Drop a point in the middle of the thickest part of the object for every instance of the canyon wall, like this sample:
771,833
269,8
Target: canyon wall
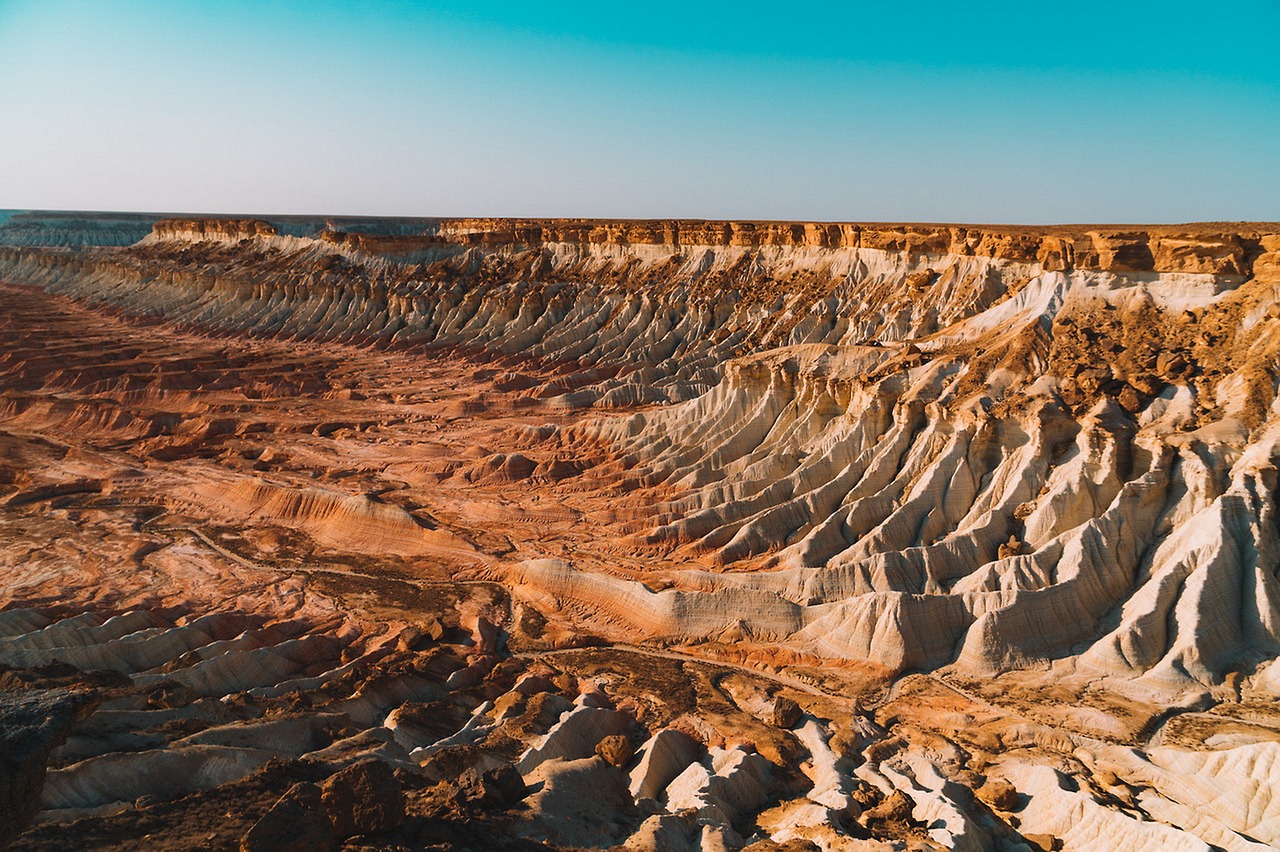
953,536
993,447
634,312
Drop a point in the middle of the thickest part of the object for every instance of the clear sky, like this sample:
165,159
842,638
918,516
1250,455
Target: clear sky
924,111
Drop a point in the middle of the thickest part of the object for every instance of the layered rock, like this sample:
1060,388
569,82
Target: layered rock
635,311
882,515
75,230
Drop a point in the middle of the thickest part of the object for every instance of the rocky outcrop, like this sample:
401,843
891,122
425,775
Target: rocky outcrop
662,758
722,788
580,802
635,312
364,798
296,822
955,536
574,737
198,230
32,725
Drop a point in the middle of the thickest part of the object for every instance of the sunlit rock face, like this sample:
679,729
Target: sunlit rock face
858,536
646,311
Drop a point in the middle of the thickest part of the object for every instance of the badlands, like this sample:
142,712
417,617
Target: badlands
326,533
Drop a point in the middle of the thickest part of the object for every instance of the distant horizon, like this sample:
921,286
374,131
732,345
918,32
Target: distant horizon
738,219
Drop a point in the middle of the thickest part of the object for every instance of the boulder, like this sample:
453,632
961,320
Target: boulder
999,794
296,823
496,787
615,749
786,713
364,798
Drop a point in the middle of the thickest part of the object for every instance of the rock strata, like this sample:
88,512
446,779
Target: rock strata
480,533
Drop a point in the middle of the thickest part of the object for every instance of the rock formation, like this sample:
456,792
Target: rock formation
751,534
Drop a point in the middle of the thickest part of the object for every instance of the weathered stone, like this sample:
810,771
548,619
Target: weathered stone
497,787
296,823
786,713
363,799
616,749
896,807
31,725
999,794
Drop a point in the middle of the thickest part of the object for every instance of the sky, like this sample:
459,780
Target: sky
1002,112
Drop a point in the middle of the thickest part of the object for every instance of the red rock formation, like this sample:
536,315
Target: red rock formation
881,514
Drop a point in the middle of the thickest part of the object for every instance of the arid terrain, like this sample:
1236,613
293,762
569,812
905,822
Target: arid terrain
663,535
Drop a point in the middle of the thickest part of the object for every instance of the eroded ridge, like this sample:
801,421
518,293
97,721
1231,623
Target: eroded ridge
878,536
638,312
918,525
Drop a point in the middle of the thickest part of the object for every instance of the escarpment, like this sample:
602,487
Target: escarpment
929,445
633,312
928,536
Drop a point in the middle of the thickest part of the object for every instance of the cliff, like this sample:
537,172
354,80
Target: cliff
923,435
76,230
674,298
945,535
1199,248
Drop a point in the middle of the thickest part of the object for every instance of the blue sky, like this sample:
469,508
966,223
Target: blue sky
980,112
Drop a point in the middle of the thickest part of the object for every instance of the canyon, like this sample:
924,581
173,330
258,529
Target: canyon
468,533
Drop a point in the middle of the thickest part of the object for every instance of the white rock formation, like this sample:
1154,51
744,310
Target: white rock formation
574,737
1226,797
164,773
723,787
1057,810
662,758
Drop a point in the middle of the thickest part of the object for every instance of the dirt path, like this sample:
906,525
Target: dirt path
784,680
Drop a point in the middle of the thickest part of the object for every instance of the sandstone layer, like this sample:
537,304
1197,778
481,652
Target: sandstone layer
751,533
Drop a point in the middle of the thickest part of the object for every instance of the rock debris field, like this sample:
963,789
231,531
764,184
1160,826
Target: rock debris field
341,533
